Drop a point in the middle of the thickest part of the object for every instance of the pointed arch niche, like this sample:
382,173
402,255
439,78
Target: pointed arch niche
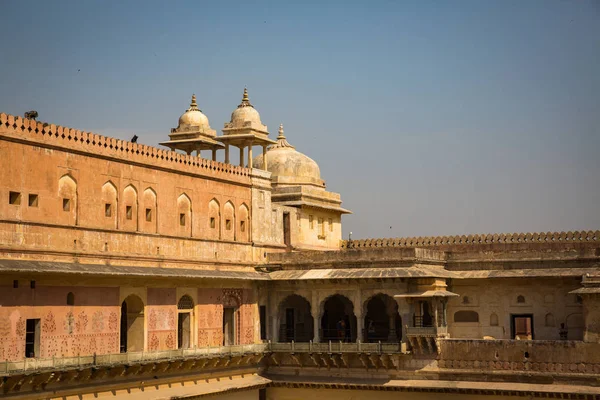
184,215
243,224
110,205
129,212
149,221
228,229
214,219
67,197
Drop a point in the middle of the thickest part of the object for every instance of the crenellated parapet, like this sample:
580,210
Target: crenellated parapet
75,140
477,239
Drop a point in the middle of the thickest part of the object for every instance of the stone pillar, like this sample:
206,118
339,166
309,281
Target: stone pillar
276,328
199,153
314,310
226,154
392,335
265,165
214,154
360,320
250,156
434,305
242,156
404,309
445,312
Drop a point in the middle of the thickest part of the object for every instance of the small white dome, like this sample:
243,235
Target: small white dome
193,117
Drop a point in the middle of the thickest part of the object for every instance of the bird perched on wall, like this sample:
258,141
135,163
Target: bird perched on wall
134,139
31,114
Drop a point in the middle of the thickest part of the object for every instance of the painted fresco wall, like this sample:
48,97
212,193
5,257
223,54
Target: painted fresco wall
210,315
162,319
90,326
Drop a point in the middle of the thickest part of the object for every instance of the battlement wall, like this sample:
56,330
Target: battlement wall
94,144
463,242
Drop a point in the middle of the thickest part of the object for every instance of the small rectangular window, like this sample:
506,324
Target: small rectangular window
32,284
321,227
212,222
108,210
15,284
33,200
66,204
148,215
129,212
228,224
14,198
242,226
330,225
311,223
182,219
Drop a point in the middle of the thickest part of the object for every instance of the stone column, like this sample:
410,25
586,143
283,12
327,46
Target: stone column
392,335
314,310
199,153
404,309
360,321
226,154
250,156
242,156
214,154
265,165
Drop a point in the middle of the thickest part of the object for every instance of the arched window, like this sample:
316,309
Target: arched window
520,299
185,303
70,299
67,193
466,316
549,320
494,319
466,300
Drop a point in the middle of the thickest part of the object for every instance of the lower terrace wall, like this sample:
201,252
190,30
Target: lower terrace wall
519,355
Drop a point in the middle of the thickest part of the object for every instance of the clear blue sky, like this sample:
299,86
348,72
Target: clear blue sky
430,118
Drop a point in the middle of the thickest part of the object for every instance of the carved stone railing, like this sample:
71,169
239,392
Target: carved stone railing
33,364
507,238
336,347
77,140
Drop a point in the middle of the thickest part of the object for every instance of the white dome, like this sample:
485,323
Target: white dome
289,166
193,118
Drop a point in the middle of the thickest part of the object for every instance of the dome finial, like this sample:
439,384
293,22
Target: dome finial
245,99
281,140
193,104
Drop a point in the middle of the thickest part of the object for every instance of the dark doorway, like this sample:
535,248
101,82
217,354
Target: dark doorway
290,323
263,322
123,347
295,319
287,238
132,324
183,329
32,338
521,326
382,321
338,321
422,316
228,326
